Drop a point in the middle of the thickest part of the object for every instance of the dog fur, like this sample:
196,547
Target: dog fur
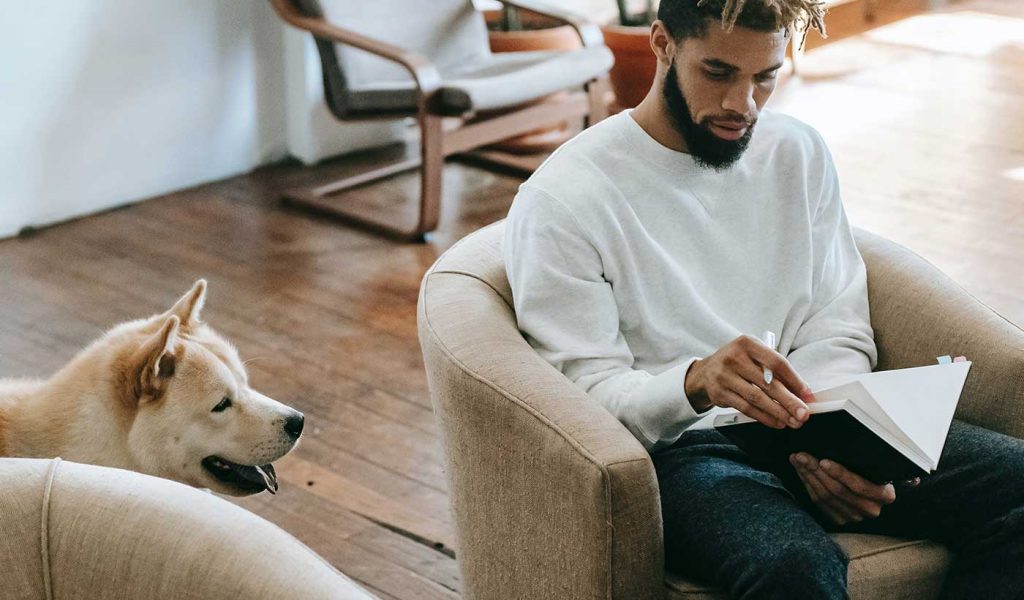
166,396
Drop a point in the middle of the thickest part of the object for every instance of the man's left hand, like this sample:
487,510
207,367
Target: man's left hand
841,495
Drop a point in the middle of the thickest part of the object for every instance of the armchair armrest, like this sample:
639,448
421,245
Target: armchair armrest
552,496
590,34
918,313
83,531
425,74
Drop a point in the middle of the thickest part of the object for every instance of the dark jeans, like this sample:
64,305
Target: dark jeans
751,529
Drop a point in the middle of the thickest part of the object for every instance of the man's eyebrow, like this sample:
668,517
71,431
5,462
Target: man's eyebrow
715,63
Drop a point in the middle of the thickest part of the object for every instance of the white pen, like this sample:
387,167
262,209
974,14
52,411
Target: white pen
769,339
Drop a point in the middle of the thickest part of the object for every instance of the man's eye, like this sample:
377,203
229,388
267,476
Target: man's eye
767,76
717,75
223,405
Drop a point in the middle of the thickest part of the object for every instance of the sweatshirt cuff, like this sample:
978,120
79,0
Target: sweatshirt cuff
665,410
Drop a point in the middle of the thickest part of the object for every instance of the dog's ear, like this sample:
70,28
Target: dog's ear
188,306
155,361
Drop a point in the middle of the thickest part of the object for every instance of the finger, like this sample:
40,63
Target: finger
734,400
795,407
860,505
781,369
756,397
837,496
880,494
817,493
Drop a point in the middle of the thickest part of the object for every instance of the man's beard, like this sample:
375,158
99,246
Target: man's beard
708,149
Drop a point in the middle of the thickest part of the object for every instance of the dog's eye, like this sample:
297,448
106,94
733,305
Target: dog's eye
223,405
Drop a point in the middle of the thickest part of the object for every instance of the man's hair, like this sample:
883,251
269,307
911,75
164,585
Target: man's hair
691,18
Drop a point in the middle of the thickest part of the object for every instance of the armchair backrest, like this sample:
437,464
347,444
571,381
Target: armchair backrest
448,32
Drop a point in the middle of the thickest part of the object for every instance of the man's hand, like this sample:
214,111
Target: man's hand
734,377
840,494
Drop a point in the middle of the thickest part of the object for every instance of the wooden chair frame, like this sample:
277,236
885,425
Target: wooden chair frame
436,142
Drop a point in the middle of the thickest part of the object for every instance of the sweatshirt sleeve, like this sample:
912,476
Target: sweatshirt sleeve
567,311
835,340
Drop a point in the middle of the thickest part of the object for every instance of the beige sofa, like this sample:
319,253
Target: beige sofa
72,531
552,496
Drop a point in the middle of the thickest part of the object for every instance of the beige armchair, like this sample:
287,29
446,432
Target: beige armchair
554,498
83,532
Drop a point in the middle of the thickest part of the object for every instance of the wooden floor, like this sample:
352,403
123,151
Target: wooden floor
925,118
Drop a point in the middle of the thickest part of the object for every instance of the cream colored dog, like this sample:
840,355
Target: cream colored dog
166,396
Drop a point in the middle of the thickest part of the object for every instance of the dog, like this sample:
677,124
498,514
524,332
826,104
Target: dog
166,396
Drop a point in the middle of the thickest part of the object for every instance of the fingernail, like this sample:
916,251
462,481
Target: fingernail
794,423
800,458
826,465
801,413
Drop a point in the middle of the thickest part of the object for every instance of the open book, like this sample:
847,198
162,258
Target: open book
884,426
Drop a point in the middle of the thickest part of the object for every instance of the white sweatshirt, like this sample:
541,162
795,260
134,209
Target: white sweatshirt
628,261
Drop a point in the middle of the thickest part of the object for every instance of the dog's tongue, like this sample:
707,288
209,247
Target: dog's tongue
260,474
269,477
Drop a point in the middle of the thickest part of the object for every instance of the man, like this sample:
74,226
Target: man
645,252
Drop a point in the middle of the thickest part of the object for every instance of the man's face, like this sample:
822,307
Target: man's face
716,86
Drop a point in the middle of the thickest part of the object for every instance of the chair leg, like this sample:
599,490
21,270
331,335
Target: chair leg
431,165
431,173
596,92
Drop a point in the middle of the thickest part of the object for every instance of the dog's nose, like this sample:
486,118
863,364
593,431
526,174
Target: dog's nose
293,425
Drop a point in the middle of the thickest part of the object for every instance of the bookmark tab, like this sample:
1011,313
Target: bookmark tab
945,360
960,359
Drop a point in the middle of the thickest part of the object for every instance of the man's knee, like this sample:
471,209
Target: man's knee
807,568
819,555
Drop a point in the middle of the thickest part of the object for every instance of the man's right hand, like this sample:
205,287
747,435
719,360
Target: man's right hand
734,377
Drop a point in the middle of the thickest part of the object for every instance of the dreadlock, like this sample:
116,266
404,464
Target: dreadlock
688,18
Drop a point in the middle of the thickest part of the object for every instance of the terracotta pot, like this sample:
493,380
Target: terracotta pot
540,34
635,63
554,37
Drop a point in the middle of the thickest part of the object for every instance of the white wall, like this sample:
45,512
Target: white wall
106,102
103,102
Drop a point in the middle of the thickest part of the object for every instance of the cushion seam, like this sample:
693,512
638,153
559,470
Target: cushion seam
44,530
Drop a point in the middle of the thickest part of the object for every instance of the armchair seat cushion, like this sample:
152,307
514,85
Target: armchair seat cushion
880,567
496,82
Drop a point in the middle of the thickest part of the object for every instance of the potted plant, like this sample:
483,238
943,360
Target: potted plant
514,30
629,41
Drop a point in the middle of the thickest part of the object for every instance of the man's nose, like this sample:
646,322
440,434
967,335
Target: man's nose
740,99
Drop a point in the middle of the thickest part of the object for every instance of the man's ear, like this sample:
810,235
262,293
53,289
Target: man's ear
155,361
663,44
188,306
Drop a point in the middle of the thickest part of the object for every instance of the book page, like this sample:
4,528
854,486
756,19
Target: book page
920,400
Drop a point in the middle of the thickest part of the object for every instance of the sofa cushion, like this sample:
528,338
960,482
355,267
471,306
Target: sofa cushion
880,567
